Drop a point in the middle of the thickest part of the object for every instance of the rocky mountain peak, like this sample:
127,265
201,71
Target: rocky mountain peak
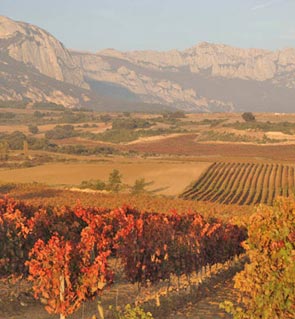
8,27
34,46
205,77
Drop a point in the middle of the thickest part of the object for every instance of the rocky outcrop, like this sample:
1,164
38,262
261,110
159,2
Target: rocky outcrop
20,81
218,59
31,45
207,77
162,76
150,89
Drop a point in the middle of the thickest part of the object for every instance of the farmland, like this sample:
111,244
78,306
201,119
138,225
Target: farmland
215,165
158,173
156,183
243,183
188,145
79,243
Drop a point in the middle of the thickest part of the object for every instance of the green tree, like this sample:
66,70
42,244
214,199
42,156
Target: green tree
130,123
4,151
38,114
126,114
174,115
248,117
139,186
33,129
61,132
48,106
115,181
106,118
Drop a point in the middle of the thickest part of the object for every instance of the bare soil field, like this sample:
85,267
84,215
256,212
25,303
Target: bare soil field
187,145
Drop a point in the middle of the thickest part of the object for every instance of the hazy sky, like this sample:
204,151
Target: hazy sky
159,24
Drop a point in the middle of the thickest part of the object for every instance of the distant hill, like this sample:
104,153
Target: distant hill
207,77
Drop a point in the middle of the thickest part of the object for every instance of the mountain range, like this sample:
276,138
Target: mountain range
35,66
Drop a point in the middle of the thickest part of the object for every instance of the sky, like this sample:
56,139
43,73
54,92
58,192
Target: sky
93,25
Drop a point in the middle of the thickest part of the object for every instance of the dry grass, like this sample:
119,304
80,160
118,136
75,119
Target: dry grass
170,178
233,117
12,128
155,138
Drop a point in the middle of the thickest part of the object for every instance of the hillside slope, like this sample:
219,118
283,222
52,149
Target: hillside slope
205,78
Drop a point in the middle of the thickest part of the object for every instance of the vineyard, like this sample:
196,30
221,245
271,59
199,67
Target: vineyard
66,252
34,194
266,285
243,183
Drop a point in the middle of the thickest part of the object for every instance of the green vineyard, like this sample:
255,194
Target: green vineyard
243,183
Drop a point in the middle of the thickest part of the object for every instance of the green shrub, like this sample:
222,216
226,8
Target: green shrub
48,106
127,135
13,104
174,115
129,123
33,129
117,135
68,116
284,127
38,114
106,118
248,117
61,132
93,184
15,140
139,186
7,115
132,313
115,181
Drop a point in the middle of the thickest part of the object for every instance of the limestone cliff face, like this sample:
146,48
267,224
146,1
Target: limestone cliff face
20,81
31,45
207,77
150,89
218,59
231,62
172,77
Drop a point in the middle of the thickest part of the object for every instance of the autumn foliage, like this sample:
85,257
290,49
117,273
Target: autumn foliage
267,284
66,251
64,275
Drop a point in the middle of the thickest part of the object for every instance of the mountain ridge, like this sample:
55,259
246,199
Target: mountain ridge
204,78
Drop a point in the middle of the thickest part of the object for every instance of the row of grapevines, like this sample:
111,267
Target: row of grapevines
204,178
260,182
65,251
243,183
236,171
266,287
222,183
